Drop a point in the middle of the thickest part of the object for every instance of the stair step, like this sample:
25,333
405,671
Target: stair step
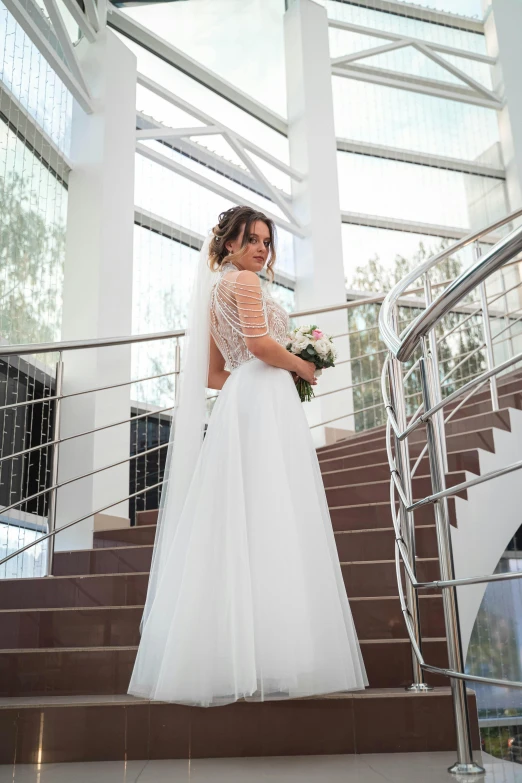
379,544
74,591
77,671
374,515
478,439
118,560
376,544
128,560
120,727
147,517
118,626
130,589
379,578
380,617
338,495
134,536
465,459
509,394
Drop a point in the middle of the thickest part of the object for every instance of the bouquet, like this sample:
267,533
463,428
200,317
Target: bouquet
312,345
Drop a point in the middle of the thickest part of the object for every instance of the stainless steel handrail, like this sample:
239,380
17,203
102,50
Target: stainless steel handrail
421,333
469,279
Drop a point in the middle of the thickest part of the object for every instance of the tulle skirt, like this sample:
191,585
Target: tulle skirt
252,604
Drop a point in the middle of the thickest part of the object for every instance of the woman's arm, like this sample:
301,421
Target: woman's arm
217,374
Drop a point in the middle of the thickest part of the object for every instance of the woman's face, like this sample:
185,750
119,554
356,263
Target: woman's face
257,247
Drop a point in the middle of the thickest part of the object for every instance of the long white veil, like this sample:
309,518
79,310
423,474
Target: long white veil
188,422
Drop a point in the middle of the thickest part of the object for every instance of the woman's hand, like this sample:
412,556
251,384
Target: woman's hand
306,370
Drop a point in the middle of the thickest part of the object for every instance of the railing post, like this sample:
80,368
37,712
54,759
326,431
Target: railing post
402,460
487,334
53,495
437,391
464,764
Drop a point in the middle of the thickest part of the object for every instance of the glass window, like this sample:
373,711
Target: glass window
428,31
219,33
422,123
407,60
470,8
32,81
423,194
33,208
204,99
175,198
363,244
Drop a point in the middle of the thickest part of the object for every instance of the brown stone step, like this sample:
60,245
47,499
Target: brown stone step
90,627
74,591
479,439
118,626
497,419
137,535
122,728
476,407
389,662
466,459
122,559
147,517
510,396
107,670
379,544
378,578
380,617
130,589
373,515
373,545
375,491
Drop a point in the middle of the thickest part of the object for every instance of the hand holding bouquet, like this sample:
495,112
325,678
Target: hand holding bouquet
312,345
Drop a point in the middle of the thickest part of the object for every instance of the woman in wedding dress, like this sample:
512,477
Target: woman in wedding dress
246,598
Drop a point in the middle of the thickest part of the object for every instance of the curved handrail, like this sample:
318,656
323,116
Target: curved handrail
421,332
402,346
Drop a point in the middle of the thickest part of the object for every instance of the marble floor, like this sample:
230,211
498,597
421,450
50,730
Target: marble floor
378,768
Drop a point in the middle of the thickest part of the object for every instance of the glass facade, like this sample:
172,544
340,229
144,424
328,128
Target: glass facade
33,199
414,122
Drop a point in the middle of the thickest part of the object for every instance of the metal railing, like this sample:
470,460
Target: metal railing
58,398
407,299
420,335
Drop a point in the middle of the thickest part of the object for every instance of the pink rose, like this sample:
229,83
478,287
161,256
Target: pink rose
317,334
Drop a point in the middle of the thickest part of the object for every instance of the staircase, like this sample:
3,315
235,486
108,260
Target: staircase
67,643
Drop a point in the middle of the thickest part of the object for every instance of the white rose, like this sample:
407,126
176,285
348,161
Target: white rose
322,347
301,342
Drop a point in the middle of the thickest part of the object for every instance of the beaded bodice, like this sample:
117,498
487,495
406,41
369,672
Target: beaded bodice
239,310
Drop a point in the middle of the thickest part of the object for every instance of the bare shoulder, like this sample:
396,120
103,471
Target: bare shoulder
248,278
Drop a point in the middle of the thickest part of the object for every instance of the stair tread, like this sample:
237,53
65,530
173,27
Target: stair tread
119,607
14,702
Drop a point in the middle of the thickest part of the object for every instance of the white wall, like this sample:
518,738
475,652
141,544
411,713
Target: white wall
487,521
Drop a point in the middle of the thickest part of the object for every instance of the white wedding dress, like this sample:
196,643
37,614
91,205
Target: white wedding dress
252,602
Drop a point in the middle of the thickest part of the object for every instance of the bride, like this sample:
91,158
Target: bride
246,598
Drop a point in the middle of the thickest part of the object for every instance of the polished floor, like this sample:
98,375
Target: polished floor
385,768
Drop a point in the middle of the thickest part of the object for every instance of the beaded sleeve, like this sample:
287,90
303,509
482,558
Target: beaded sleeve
242,305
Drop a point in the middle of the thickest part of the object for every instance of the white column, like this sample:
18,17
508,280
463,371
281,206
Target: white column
98,287
319,256
502,28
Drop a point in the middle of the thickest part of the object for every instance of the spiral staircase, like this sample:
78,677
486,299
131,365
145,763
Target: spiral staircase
68,641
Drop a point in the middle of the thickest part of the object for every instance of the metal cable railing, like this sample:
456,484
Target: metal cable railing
55,440
59,397
420,334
